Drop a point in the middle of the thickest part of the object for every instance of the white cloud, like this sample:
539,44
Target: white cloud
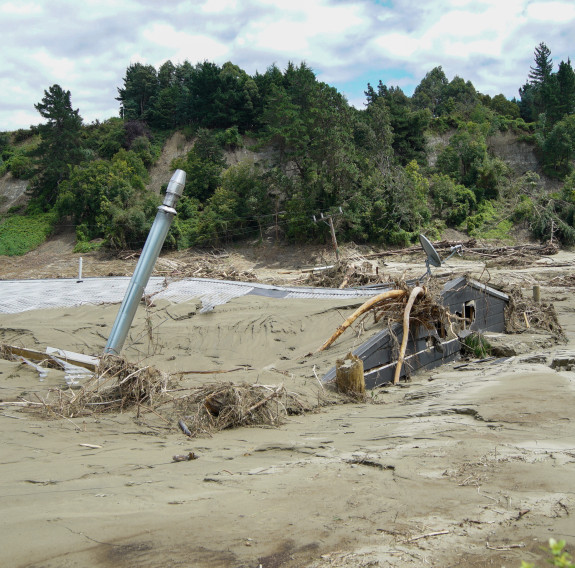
551,11
20,8
183,45
398,45
61,68
86,46
218,6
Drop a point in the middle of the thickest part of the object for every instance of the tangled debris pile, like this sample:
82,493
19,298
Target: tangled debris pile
117,385
523,314
563,281
393,306
208,265
347,274
218,406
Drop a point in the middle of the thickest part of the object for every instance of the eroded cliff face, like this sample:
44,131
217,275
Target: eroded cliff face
507,146
519,155
12,192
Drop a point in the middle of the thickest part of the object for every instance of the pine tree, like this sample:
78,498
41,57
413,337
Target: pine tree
60,147
566,89
543,65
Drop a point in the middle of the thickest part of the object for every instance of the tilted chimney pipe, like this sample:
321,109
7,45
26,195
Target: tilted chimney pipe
143,271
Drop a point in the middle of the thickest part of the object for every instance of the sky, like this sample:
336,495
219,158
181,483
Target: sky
85,46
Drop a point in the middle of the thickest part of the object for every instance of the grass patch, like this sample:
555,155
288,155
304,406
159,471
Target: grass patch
21,234
477,346
88,246
490,223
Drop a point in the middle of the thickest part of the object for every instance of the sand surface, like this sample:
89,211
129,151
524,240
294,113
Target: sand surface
463,466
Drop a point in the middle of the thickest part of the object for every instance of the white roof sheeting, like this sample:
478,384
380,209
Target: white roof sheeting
22,295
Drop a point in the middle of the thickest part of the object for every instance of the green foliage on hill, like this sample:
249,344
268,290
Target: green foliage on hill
20,234
321,155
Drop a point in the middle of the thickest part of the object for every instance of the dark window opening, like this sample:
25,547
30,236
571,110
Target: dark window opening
469,313
440,328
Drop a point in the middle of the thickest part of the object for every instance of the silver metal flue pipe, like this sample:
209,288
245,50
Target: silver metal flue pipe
143,271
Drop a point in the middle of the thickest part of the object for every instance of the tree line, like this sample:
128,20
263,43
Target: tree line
322,154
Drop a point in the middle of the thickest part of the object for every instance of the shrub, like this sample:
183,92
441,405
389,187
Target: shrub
559,557
20,166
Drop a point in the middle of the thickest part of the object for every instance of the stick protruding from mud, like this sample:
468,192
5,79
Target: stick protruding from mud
414,293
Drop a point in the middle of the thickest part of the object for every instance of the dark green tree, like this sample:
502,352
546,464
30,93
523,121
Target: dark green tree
109,199
457,96
543,88
202,91
559,146
563,102
236,98
543,67
166,75
60,147
311,126
527,102
501,105
140,87
429,93
408,126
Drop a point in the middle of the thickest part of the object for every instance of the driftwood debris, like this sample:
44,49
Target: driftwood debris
472,247
523,313
218,406
414,293
349,272
370,304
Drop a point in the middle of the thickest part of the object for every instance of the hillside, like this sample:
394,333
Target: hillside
56,259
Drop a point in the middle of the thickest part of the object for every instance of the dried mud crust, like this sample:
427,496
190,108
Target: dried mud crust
471,461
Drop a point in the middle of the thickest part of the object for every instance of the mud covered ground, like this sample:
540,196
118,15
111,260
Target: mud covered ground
468,465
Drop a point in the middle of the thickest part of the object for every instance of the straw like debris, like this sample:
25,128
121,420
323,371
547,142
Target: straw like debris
218,406
346,274
116,386
540,316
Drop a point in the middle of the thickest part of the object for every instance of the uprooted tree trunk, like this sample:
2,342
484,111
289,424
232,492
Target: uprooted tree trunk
370,304
349,375
414,293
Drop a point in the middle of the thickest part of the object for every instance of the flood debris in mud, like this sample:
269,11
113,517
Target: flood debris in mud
347,273
116,386
524,314
221,405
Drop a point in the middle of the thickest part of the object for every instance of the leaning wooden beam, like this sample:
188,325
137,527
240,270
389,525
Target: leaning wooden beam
414,293
77,359
361,310
25,352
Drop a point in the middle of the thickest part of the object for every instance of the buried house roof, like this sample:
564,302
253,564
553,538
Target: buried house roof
478,308
464,281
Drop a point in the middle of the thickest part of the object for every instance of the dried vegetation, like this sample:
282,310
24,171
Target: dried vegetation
120,386
218,406
524,314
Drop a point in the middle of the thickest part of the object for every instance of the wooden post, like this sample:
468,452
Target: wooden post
349,375
536,293
333,239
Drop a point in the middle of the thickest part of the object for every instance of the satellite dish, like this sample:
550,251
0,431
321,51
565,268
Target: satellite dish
433,258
